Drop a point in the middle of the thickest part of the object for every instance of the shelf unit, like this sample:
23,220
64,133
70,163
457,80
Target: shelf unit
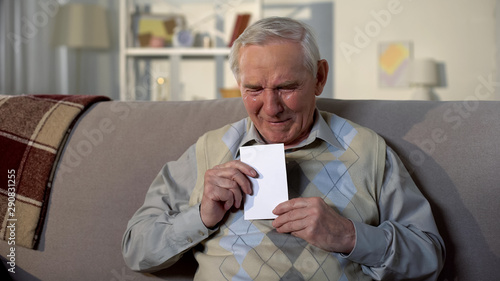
175,56
193,52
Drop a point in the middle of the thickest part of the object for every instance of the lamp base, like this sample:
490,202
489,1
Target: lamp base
424,93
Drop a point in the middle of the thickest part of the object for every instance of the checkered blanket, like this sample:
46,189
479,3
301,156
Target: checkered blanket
33,130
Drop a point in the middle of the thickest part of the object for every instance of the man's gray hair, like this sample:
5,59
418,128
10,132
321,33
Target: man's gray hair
277,29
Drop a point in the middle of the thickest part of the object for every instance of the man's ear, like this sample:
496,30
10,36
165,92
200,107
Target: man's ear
321,76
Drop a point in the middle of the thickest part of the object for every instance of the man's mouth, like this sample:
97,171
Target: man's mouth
277,122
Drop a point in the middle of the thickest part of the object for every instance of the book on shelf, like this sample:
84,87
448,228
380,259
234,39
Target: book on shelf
240,25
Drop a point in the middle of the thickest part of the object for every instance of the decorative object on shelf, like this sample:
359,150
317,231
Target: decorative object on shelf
424,76
202,40
156,31
80,26
393,63
240,25
144,39
183,38
230,92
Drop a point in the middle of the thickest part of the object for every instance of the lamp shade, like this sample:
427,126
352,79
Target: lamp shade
81,26
423,72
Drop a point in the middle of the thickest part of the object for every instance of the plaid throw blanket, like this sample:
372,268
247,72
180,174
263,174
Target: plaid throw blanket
33,129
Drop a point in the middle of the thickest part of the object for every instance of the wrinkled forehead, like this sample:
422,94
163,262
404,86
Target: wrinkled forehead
272,60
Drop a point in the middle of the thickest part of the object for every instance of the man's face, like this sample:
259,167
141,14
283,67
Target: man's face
278,91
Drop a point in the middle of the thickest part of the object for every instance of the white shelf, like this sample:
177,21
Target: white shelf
128,55
186,52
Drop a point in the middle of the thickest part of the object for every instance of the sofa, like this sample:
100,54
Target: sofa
450,148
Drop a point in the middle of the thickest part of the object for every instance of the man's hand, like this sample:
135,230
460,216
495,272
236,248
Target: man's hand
225,186
314,221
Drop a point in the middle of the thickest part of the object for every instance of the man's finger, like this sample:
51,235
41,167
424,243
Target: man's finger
289,205
243,182
237,164
291,226
237,172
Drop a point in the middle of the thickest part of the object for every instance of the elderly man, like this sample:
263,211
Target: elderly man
354,212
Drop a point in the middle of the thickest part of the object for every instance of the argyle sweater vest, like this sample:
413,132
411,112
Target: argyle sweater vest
348,179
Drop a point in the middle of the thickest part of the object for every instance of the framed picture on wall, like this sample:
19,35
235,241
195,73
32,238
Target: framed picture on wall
393,63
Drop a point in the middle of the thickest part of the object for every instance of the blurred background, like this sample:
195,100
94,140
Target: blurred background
177,50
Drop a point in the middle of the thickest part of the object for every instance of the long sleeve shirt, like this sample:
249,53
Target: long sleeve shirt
347,165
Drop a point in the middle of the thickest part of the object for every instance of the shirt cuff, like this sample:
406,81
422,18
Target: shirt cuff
371,245
188,227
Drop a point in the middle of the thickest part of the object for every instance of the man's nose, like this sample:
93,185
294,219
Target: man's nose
273,104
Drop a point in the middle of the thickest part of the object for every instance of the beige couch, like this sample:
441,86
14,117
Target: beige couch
451,149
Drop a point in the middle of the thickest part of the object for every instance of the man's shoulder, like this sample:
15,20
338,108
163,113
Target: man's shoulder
345,128
238,127
228,133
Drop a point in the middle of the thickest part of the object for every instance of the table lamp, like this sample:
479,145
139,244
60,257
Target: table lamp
423,76
81,26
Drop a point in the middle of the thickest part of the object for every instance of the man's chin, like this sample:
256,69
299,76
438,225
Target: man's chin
276,139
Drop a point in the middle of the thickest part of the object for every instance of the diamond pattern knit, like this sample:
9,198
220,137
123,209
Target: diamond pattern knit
253,250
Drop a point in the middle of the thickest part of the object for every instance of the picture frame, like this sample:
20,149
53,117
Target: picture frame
393,63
